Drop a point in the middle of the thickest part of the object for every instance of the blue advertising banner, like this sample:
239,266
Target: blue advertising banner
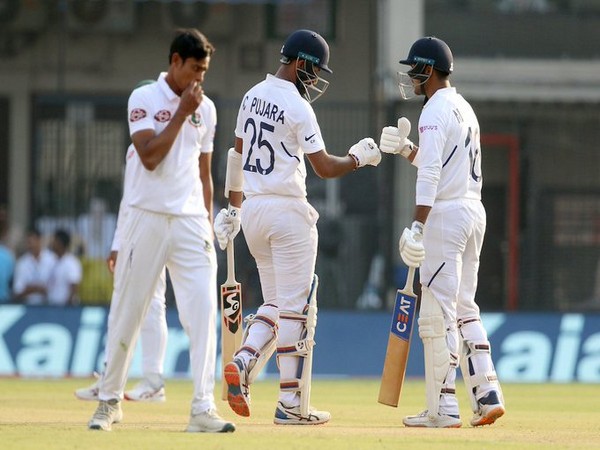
526,347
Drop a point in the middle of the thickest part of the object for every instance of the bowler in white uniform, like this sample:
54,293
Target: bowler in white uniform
172,125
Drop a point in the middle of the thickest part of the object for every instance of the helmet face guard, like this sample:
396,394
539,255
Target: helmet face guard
309,83
310,47
416,76
425,54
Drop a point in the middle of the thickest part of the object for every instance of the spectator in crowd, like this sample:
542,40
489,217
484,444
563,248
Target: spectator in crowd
33,270
95,229
7,266
65,277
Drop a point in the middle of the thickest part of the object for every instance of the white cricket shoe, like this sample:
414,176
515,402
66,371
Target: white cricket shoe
424,420
89,393
147,391
286,415
107,413
238,391
490,409
209,422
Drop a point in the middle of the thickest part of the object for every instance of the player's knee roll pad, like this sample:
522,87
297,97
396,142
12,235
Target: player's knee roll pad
302,348
267,316
432,331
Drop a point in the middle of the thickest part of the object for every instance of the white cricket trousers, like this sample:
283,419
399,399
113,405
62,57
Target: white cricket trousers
282,236
154,330
184,244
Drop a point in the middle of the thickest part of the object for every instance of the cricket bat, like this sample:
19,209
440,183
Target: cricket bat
396,355
231,315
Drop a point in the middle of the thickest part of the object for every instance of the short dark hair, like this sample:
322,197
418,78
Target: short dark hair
63,236
33,231
190,43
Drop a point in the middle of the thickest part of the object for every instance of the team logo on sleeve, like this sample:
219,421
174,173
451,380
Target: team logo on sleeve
196,119
137,114
162,116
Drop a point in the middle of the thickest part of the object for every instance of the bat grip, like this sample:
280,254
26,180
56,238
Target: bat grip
410,280
230,262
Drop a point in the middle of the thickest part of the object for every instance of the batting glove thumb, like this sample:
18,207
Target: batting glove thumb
411,246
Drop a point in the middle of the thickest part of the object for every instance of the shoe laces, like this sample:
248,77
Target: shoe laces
104,410
212,413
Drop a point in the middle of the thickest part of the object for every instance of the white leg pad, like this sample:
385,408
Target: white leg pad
261,347
476,363
432,331
302,349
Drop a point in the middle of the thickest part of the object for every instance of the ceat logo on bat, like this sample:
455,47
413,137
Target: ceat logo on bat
404,313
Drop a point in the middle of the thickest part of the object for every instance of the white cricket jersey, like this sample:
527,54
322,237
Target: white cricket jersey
133,169
66,272
449,156
174,187
33,271
278,126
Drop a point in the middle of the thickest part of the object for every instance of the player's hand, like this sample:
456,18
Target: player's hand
365,152
411,245
394,139
111,261
191,98
227,225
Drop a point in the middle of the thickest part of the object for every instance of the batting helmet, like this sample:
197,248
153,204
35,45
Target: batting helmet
309,45
429,51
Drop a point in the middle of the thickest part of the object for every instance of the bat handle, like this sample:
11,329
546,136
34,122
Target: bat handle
230,262
410,280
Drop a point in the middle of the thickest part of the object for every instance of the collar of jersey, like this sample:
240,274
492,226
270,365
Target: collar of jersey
281,82
441,93
162,82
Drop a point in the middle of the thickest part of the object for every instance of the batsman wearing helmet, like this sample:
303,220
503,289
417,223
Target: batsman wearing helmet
445,239
276,128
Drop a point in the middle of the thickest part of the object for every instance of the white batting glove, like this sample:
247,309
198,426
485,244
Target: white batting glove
411,245
227,225
365,152
395,139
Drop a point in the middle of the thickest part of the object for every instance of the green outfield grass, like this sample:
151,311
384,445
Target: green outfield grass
44,414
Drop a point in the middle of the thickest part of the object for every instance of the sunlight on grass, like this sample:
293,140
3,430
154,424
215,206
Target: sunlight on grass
45,414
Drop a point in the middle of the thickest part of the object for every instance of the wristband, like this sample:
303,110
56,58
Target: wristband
356,161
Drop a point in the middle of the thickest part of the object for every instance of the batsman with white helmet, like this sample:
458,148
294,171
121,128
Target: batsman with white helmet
276,128
445,239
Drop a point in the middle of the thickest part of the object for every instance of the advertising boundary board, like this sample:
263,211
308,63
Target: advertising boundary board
526,347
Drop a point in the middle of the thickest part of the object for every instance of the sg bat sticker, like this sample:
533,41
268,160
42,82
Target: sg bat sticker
232,300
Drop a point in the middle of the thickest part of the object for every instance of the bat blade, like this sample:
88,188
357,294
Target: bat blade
398,347
231,315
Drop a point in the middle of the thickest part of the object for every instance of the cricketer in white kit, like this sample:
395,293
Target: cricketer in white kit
154,327
172,125
446,239
276,128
